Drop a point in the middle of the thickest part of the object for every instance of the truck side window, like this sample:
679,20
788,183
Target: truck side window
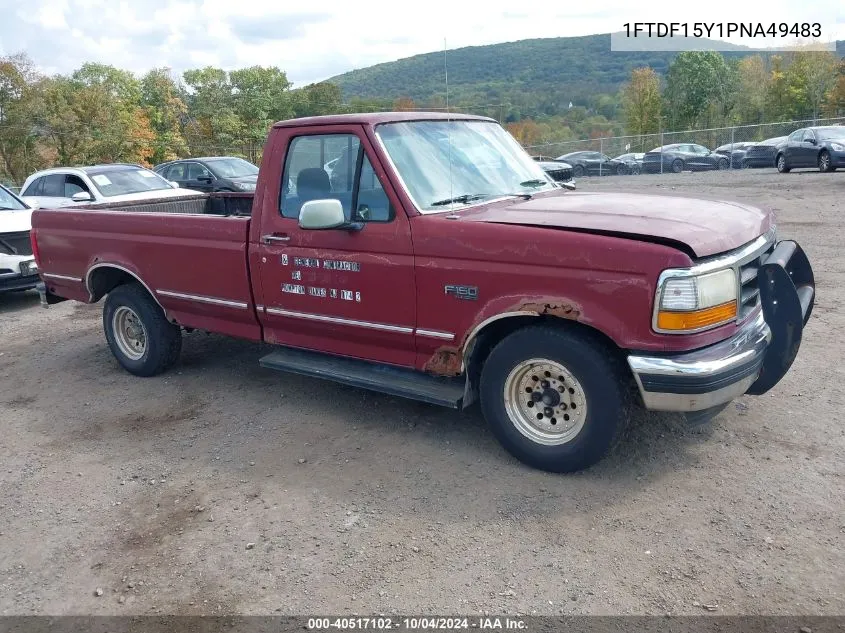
323,166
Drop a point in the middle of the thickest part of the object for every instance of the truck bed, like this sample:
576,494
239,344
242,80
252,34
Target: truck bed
189,254
221,203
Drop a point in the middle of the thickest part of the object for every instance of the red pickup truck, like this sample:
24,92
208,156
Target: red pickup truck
428,256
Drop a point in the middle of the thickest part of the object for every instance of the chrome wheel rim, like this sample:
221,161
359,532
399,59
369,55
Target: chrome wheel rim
824,160
781,163
129,333
545,402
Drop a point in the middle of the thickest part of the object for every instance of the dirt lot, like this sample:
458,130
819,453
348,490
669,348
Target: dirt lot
225,488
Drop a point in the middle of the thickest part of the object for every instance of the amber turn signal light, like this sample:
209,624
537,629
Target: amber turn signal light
695,319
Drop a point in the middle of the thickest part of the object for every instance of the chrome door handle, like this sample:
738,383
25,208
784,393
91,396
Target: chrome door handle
267,239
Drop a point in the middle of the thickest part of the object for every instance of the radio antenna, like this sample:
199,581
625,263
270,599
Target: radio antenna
448,126
446,74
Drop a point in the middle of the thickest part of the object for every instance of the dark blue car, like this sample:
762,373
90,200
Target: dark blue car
819,147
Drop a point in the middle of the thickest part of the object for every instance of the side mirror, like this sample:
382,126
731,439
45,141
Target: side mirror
81,196
32,203
173,184
567,185
205,178
324,214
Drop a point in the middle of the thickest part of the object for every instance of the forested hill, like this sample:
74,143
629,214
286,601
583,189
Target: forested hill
546,70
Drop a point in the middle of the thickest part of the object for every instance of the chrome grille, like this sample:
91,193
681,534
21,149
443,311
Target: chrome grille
749,291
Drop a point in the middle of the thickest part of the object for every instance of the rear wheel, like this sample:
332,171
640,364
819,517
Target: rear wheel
677,166
780,161
577,171
553,398
621,170
141,338
635,170
722,164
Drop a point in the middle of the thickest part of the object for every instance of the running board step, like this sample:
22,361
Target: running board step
395,381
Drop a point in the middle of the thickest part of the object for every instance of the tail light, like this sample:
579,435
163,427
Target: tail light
34,241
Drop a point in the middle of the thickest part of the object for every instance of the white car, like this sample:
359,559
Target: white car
18,270
72,186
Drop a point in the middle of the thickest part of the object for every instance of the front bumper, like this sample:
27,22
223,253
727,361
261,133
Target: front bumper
753,361
17,282
837,158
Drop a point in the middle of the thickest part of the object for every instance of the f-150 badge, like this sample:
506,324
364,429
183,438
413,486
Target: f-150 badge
469,293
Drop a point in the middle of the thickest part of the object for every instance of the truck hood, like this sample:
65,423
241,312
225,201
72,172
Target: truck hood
706,227
15,221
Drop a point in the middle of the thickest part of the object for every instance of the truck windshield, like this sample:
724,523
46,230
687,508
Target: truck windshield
452,164
8,202
231,167
120,182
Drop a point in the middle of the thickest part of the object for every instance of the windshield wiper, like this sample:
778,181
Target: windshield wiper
465,199
534,183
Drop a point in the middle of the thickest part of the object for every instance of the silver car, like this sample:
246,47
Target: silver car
72,186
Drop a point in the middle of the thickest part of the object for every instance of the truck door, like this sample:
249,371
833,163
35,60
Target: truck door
344,291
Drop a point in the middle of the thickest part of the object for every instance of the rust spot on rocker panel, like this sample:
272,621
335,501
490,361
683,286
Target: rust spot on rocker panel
446,361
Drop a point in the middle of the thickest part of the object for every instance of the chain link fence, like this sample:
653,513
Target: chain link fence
738,146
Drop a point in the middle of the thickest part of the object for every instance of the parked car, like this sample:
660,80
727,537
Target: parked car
71,186
679,157
18,270
557,169
819,147
592,164
214,173
734,152
633,162
440,281
763,154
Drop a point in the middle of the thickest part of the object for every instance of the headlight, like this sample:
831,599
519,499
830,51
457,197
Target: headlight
692,303
837,146
28,267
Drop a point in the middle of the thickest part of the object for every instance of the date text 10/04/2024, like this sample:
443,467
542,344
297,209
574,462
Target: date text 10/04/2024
723,29
417,624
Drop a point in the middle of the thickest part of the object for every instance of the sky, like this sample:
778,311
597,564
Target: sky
313,41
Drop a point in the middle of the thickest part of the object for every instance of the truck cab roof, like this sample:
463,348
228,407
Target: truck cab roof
375,118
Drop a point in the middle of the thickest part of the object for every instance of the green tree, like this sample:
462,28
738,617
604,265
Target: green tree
641,102
700,90
20,99
809,77
754,79
214,126
260,98
317,99
161,98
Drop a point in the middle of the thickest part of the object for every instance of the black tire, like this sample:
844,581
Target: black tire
722,164
780,163
590,363
635,170
621,170
677,166
745,165
577,171
825,165
162,339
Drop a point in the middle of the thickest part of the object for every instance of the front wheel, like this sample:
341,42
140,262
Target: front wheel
577,171
677,166
141,338
553,399
824,162
722,164
621,170
780,161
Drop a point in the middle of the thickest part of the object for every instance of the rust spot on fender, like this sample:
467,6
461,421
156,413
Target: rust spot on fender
446,361
556,307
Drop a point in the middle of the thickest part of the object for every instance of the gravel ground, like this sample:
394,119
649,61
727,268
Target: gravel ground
225,488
